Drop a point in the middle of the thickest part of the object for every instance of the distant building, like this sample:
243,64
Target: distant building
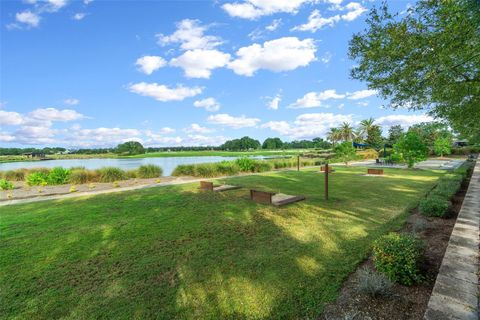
35,155
460,143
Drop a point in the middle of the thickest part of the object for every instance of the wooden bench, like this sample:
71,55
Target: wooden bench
276,199
375,171
330,169
209,186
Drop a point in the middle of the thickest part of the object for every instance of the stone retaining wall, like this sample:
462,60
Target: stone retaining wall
456,291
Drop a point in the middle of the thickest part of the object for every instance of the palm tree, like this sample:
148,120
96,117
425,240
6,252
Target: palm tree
334,135
346,131
367,125
358,135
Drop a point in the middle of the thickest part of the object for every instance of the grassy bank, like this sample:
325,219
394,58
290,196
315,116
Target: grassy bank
219,153
177,253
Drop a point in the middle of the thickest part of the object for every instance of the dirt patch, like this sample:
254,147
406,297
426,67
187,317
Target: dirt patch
404,302
23,191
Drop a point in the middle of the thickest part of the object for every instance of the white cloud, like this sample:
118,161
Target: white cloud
199,63
164,93
54,5
277,55
404,120
167,130
29,18
259,32
149,64
252,9
79,16
316,21
361,94
196,128
71,101
190,35
363,103
315,99
233,122
52,114
274,25
10,118
327,56
308,126
201,140
274,102
210,104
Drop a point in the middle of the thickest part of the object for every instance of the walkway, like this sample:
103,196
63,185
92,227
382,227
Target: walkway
456,291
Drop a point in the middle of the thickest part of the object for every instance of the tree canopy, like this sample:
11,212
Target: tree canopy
410,148
245,143
130,148
427,59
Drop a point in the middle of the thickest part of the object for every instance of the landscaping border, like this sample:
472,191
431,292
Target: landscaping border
456,292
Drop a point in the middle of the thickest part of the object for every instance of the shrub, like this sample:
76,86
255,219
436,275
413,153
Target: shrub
261,166
78,176
434,207
373,283
184,170
245,164
58,176
397,256
149,171
41,170
227,168
206,170
368,154
418,226
37,179
446,189
14,175
111,174
6,185
131,174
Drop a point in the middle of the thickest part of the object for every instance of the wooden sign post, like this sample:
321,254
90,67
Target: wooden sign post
326,181
298,163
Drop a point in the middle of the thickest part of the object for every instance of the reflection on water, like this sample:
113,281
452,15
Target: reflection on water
167,164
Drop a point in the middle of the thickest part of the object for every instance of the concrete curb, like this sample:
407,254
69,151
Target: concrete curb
456,292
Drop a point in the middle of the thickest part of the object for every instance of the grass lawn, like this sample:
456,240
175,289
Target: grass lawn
177,253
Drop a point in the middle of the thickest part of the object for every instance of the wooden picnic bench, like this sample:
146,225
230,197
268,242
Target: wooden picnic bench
209,186
276,199
375,171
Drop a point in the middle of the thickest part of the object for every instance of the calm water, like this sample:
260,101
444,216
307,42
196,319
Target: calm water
167,164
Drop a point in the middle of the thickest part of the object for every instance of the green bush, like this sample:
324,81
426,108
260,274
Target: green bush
373,283
245,164
434,207
6,185
262,166
446,189
149,171
398,257
78,176
58,175
111,174
206,170
131,174
184,170
227,168
37,179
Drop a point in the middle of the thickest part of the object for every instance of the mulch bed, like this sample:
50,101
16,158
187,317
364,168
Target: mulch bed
405,302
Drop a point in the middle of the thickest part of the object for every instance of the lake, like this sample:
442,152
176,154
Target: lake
167,164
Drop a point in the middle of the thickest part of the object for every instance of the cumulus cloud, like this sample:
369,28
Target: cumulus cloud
253,9
199,63
164,93
308,126
233,122
71,101
274,102
196,128
10,118
315,99
277,55
167,130
210,104
190,35
28,18
404,120
52,114
361,94
149,64
316,21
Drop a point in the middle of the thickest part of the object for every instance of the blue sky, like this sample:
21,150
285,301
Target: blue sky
96,73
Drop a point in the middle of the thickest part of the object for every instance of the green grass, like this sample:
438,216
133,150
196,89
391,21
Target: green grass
178,253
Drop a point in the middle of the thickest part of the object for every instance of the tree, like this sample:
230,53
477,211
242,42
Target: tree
374,138
410,148
394,133
427,59
431,131
130,148
346,132
272,143
334,136
245,143
442,146
345,152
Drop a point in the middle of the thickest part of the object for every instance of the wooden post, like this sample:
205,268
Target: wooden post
298,163
326,181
